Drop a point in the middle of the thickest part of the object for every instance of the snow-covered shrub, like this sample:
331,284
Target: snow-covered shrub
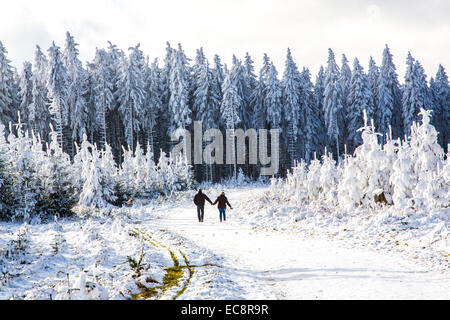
181,176
313,185
59,192
328,178
410,174
81,289
5,177
427,156
296,181
373,168
17,248
26,189
349,189
241,178
97,175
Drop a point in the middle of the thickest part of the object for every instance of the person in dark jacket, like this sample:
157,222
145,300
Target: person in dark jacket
222,203
199,201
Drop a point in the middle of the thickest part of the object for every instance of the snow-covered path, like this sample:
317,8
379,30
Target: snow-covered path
280,265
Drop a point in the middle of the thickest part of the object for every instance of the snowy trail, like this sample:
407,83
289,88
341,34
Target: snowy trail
277,265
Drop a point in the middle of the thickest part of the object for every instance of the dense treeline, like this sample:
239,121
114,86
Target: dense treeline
122,99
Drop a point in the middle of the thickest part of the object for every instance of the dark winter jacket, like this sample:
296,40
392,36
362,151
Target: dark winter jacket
200,198
222,202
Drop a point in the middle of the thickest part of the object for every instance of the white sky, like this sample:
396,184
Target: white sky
309,27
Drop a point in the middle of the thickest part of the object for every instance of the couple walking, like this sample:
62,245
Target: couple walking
221,201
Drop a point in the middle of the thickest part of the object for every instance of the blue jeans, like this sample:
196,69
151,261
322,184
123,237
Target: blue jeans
222,213
200,213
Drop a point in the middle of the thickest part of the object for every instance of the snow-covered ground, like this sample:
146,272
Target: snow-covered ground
265,250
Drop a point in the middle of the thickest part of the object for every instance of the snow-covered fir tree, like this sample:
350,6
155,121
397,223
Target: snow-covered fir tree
345,77
58,187
98,188
257,102
179,90
38,112
440,95
6,179
153,103
273,100
373,75
206,97
57,85
26,185
102,92
240,74
292,107
131,93
333,102
25,92
389,98
319,89
427,156
76,89
314,125
8,89
229,109
359,99
415,93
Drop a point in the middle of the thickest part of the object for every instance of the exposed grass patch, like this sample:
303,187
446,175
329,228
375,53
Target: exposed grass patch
173,274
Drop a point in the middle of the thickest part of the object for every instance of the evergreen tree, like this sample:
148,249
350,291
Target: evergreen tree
26,91
359,100
408,113
230,111
102,92
218,72
26,185
76,90
8,90
333,103
57,85
415,94
179,91
257,100
98,183
248,80
154,103
273,99
440,90
292,105
374,82
114,121
345,77
314,125
319,89
249,74
389,98
206,97
38,113
59,192
131,93
6,179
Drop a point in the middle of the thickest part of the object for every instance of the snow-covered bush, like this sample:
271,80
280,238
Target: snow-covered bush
59,193
97,175
26,185
329,175
372,170
81,289
410,174
427,156
5,177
